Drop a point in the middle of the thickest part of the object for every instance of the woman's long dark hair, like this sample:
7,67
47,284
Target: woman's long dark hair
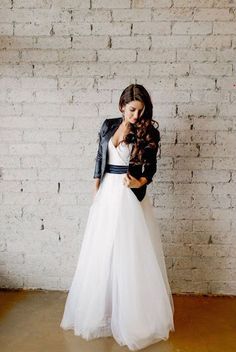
144,133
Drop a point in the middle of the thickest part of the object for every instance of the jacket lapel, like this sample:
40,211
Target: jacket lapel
111,130
114,126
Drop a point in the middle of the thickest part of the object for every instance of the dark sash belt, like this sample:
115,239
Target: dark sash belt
116,169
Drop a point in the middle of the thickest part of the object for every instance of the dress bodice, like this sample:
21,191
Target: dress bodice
119,155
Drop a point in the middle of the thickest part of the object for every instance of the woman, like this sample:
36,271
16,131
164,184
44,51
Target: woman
120,287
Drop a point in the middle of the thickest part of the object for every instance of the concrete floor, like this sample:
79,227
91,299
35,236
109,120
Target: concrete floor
29,321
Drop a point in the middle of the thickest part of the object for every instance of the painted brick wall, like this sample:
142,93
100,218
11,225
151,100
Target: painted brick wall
63,67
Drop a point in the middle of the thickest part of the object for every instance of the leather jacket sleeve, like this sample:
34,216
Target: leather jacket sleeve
151,168
98,160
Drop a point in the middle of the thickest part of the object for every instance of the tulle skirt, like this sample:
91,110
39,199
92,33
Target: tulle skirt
120,287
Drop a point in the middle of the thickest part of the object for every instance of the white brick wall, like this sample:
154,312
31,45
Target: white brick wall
63,67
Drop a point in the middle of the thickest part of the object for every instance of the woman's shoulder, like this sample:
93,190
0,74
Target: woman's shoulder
109,122
112,120
155,128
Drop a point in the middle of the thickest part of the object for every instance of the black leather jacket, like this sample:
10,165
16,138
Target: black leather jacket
107,130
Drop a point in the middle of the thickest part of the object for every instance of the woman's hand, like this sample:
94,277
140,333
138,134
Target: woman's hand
94,192
96,186
132,182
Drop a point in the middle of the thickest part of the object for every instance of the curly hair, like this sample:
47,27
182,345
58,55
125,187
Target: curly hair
144,133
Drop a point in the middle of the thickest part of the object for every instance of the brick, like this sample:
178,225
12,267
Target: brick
193,163
42,83
5,4
41,109
20,174
212,14
41,136
16,70
32,4
151,3
130,69
39,55
74,55
167,96
74,4
61,29
156,55
26,29
19,96
192,28
173,14
11,56
9,162
10,135
193,3
70,83
53,96
111,4
113,28
131,15
169,69
224,3
226,55
211,41
196,55
131,42
211,176
224,27
212,124
152,28
116,55
211,97
195,83
53,43
6,29
212,68
8,109
43,70
227,110
224,163
193,188
90,69
93,42
91,15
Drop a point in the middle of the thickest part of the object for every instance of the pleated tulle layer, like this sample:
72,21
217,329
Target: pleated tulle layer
120,287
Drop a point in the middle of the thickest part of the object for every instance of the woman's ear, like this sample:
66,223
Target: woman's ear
122,108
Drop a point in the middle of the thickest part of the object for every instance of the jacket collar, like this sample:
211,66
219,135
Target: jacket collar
114,124
117,121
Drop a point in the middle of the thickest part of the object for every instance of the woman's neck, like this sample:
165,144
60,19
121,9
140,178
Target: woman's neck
125,124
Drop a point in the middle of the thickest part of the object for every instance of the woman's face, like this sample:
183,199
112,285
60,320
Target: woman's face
133,110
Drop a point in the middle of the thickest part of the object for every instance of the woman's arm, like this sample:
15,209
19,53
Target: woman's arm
151,155
150,169
98,160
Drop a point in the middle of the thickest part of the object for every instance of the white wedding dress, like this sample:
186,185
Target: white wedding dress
120,287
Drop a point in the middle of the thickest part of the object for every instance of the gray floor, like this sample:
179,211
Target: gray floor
30,322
